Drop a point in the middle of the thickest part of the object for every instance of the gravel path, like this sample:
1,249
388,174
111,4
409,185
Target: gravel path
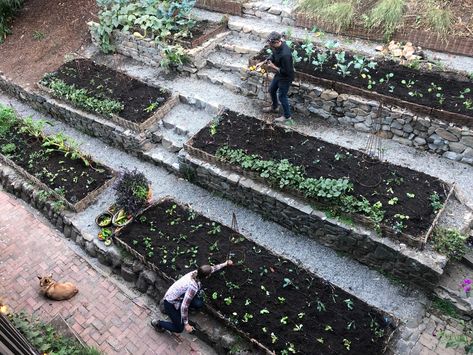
361,281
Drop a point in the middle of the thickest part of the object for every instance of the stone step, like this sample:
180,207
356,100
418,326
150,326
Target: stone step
229,80
276,11
171,141
242,43
162,157
186,120
228,61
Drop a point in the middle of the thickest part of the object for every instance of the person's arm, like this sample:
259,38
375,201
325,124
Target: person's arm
189,295
221,266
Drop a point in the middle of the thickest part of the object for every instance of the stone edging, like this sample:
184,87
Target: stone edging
210,330
420,268
399,124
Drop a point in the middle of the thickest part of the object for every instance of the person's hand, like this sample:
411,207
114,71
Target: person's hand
188,328
229,263
271,65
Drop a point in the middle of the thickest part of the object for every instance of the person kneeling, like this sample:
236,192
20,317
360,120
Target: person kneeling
184,294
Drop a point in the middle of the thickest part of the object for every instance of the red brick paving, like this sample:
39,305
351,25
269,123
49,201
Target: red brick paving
100,313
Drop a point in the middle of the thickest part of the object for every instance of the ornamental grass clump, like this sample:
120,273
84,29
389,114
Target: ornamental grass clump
133,191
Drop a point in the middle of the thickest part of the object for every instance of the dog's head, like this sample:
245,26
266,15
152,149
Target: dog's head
45,281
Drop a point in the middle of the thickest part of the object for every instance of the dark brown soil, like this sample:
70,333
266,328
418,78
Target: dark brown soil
44,32
373,179
101,81
180,239
451,84
55,170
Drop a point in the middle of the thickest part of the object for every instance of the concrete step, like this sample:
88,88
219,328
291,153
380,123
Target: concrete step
242,43
171,141
162,157
228,61
228,80
186,120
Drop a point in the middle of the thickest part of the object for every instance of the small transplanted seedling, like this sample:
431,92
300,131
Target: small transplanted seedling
435,201
347,344
349,303
386,78
410,195
399,224
468,104
464,92
264,311
328,328
393,201
408,83
371,81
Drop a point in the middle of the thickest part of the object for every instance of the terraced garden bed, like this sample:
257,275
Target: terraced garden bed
402,203
278,305
115,96
53,162
447,96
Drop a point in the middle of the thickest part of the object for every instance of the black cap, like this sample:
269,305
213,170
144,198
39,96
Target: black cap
273,37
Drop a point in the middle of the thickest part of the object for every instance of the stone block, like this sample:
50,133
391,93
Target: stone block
329,95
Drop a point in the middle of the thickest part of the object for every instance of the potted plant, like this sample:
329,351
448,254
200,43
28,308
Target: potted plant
133,192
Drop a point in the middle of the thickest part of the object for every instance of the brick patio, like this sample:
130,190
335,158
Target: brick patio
101,313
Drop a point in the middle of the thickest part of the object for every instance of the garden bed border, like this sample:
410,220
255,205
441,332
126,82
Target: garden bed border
138,127
209,308
78,206
427,39
413,241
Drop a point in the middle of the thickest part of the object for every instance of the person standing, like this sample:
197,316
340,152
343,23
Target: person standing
184,294
281,62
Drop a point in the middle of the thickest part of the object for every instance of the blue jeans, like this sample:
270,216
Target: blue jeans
176,325
283,87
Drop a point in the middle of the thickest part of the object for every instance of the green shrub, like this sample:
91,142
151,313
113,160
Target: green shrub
386,14
7,10
438,18
449,242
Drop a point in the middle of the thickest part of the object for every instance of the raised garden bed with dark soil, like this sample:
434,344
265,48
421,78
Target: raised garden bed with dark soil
403,203
267,298
141,105
447,96
74,178
201,32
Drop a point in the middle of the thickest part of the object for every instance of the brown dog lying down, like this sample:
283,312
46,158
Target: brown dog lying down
56,290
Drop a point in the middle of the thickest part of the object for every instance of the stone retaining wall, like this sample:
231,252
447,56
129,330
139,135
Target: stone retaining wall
269,12
150,53
420,268
92,125
422,132
210,330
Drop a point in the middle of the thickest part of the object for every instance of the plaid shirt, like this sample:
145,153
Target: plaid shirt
184,290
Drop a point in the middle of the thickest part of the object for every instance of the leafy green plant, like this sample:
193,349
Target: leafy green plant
435,201
7,10
132,191
38,36
449,242
8,148
82,99
46,339
438,18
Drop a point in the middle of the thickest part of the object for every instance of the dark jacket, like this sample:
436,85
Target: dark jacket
282,58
